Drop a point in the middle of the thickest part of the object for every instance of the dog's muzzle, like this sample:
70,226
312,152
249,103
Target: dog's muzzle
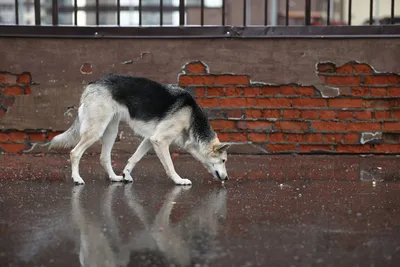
219,176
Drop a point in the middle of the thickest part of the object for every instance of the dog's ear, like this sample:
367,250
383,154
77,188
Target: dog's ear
222,147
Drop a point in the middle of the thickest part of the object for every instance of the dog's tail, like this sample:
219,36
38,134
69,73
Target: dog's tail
67,139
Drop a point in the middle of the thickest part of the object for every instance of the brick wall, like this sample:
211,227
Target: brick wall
362,117
361,114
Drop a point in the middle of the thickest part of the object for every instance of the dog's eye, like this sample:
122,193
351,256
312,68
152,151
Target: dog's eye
223,161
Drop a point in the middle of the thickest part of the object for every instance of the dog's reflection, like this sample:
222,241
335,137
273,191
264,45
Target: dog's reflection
189,242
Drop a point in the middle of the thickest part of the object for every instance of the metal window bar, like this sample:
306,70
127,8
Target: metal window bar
202,12
76,12
140,12
328,15
161,12
371,10
266,12
37,12
223,12
392,13
55,12
244,12
181,12
119,12
308,12
16,12
287,13
97,13
349,14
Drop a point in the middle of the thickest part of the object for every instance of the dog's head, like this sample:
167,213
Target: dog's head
215,160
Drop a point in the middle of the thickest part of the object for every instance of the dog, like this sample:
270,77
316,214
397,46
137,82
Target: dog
161,114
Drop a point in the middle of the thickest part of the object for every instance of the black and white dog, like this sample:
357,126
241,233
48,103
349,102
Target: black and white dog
161,114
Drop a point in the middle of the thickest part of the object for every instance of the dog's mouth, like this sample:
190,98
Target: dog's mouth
217,173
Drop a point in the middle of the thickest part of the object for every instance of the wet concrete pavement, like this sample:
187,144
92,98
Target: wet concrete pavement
293,220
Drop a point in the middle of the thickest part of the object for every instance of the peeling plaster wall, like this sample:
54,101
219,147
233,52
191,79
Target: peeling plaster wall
62,67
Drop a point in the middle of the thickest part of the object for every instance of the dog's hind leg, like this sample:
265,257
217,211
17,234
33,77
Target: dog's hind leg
142,149
108,140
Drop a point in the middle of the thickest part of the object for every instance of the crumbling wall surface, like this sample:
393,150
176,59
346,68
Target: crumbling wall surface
267,96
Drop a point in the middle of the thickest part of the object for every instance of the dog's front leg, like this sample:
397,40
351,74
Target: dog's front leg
162,150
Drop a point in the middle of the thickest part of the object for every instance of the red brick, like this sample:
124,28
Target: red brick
222,124
17,136
6,102
232,79
351,138
396,114
382,115
252,91
7,78
273,102
363,126
277,137
333,138
208,102
223,137
353,148
305,90
345,115
13,90
387,148
313,138
309,102
360,91
296,138
37,137
363,115
391,126
327,114
27,90
281,147
234,113
382,103
251,102
200,91
270,90
287,90
24,78
345,103
345,69
195,67
394,91
327,67
291,126
12,148
239,137
253,113
382,79
330,126
196,80
272,113
378,91
363,68
309,114
215,91
4,137
233,91
258,137
343,80
233,102
51,135
258,125
315,148
291,114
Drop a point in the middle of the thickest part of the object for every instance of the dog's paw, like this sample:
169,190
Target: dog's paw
183,182
78,181
127,178
116,178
